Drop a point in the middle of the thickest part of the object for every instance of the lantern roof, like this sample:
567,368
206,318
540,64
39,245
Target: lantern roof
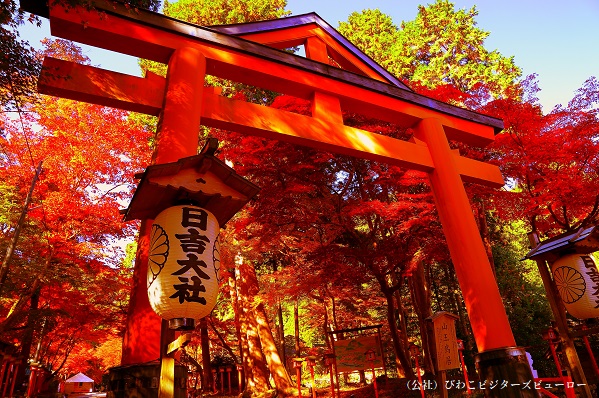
203,180
583,241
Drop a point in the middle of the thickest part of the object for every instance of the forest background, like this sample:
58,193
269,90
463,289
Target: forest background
334,242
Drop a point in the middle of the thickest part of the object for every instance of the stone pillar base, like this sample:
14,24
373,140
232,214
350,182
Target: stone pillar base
142,381
507,368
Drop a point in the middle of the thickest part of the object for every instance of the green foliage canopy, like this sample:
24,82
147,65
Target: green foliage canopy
219,12
441,46
374,33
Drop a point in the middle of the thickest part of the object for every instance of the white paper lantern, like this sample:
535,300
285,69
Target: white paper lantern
183,265
577,281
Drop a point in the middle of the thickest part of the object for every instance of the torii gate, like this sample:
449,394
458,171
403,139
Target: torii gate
236,53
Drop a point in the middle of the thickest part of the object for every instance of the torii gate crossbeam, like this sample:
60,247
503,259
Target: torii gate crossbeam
183,103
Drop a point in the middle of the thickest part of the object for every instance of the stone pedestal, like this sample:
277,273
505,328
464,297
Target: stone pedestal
142,381
506,369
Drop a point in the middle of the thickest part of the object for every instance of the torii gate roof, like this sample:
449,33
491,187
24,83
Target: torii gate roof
235,52
232,36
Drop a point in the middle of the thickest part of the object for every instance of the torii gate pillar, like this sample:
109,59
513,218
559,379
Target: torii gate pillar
176,138
470,259
499,359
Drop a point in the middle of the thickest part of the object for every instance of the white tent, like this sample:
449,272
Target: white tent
78,384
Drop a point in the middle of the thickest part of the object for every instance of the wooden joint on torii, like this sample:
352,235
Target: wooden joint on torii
183,103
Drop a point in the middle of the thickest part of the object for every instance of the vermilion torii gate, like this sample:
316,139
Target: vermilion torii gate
363,87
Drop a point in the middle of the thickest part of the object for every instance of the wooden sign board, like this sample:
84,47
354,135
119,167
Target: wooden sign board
446,342
351,354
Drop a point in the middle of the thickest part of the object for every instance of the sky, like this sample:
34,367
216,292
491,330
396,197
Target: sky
555,39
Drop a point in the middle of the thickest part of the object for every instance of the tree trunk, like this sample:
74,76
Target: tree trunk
27,341
235,304
333,337
298,350
401,317
13,242
325,324
362,374
484,233
267,342
281,332
28,336
27,351
461,311
18,306
275,365
254,363
433,278
243,344
241,330
222,340
334,309
205,344
256,358
421,298
402,362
